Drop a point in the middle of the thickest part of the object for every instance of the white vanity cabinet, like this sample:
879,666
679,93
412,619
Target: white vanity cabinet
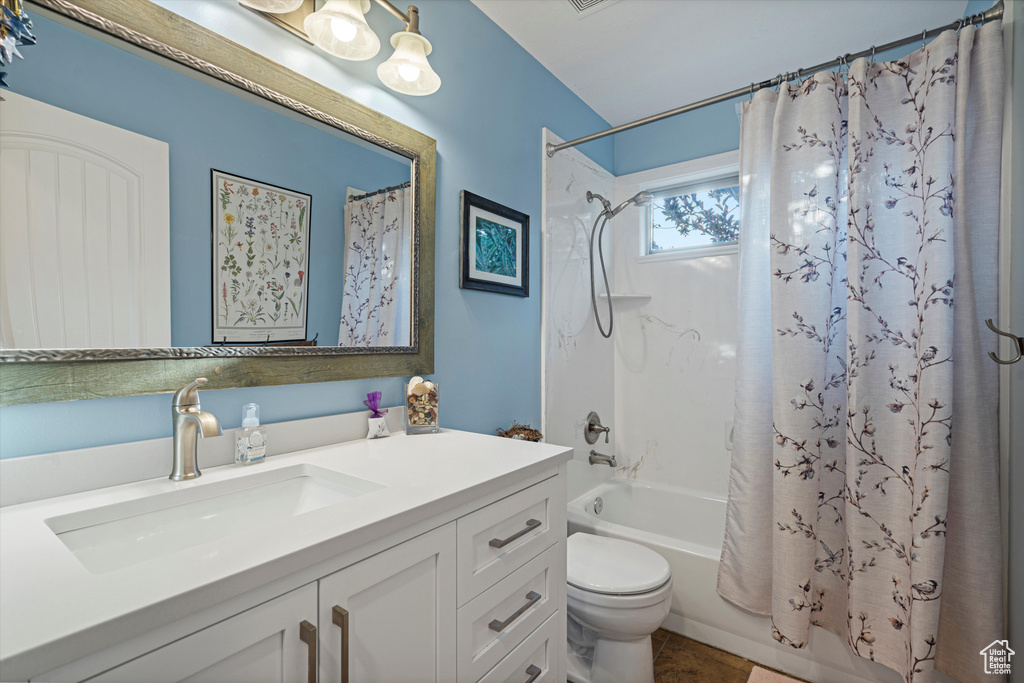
451,569
391,617
271,642
475,594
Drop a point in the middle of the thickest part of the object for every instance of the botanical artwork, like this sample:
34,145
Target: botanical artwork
697,218
862,232
260,261
495,248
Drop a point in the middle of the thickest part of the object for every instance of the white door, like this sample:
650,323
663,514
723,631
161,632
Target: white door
399,610
261,645
84,232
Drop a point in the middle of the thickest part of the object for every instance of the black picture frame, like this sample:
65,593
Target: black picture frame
508,231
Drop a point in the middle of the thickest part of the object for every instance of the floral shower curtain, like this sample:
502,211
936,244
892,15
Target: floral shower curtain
374,304
863,495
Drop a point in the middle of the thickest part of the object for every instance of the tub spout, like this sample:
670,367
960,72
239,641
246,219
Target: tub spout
602,459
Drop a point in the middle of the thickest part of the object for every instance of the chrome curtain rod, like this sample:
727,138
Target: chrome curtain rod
991,14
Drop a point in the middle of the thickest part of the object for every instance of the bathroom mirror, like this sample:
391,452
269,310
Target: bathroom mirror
175,205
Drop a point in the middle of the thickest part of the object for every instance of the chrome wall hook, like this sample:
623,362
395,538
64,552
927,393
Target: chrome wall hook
1018,343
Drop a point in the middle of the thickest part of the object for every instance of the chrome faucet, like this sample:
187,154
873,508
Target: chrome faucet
602,459
189,423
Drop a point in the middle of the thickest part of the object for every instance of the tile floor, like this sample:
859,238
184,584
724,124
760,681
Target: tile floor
678,659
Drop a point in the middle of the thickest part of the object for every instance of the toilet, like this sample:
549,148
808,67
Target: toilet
618,593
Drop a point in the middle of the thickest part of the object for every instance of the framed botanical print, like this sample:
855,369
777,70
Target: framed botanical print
260,261
495,253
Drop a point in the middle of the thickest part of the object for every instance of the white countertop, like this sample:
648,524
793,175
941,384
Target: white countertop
48,599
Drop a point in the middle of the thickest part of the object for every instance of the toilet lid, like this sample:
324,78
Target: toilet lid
612,566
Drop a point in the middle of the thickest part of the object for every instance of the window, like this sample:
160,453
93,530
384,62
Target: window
694,219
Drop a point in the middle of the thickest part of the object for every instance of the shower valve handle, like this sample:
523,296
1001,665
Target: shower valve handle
595,428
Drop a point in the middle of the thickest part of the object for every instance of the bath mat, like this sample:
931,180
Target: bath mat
759,675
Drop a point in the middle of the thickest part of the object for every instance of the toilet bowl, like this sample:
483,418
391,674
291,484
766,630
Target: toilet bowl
618,593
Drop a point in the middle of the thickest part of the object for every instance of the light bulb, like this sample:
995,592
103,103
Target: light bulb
343,29
408,72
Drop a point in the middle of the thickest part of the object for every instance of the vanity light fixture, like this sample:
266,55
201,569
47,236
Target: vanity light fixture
340,29
408,71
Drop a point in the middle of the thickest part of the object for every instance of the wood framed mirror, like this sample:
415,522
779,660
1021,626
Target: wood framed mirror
272,267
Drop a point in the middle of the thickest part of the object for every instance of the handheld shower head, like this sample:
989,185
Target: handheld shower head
642,198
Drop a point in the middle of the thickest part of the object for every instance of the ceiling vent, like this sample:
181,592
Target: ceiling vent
586,6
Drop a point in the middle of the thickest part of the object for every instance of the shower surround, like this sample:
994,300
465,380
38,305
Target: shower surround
576,362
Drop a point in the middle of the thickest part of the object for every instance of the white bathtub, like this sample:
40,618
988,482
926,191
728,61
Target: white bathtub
687,528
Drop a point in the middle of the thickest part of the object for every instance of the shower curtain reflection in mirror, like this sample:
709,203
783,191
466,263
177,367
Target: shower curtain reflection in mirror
378,234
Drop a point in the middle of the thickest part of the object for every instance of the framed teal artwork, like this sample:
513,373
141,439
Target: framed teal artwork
495,253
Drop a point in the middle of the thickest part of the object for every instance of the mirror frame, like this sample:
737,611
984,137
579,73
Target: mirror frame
45,375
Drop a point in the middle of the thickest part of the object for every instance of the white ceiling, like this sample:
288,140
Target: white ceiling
631,58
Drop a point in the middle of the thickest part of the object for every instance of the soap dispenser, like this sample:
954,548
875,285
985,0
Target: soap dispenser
251,445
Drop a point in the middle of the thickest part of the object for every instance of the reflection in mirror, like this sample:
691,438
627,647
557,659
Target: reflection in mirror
147,205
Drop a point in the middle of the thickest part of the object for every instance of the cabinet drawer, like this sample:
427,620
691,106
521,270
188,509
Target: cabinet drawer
500,538
493,624
535,659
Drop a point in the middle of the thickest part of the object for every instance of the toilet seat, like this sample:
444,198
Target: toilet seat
610,566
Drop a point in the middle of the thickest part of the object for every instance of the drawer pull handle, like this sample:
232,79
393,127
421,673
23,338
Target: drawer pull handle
307,634
531,524
534,672
340,618
531,599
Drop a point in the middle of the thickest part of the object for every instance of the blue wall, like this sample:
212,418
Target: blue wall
487,119
206,128
711,130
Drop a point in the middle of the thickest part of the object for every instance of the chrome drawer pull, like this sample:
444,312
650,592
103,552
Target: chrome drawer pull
531,524
534,671
307,634
531,599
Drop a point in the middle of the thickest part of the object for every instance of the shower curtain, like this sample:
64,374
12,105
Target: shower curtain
864,491
374,304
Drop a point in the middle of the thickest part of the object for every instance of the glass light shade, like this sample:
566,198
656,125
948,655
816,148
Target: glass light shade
273,6
340,29
408,71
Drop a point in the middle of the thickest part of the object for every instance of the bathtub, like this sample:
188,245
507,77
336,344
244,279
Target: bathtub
686,527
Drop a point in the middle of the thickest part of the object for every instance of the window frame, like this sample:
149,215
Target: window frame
687,174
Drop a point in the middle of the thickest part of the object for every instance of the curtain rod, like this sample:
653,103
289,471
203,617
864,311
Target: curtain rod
991,14
382,191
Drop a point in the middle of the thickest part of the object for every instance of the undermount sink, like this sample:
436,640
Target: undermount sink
123,534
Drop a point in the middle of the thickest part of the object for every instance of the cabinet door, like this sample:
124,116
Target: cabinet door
259,645
399,611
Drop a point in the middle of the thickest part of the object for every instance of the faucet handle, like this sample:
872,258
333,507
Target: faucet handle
594,428
188,395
